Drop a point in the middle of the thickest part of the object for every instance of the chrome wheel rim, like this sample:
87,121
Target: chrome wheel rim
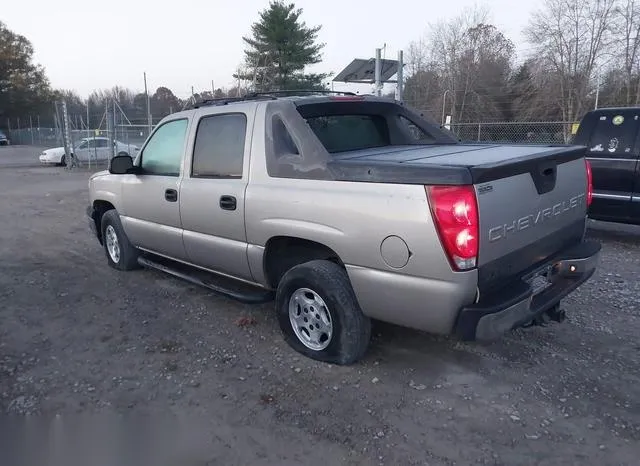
113,246
310,319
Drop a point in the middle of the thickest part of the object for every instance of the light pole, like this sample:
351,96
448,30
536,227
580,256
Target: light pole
444,101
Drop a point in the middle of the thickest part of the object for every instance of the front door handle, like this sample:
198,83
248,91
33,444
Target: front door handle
171,195
228,203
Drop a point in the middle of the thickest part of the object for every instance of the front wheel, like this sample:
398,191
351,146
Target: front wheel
121,254
63,161
319,314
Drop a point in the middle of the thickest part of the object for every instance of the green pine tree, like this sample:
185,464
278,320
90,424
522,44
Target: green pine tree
279,49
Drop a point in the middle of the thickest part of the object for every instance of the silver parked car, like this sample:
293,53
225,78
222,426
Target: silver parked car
88,149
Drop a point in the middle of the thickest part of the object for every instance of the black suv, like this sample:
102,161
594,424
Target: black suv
613,148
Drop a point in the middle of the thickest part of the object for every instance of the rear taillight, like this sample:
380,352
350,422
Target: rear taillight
455,212
589,182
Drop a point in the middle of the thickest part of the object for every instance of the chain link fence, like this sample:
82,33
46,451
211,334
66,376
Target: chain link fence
36,137
539,132
90,145
129,137
52,137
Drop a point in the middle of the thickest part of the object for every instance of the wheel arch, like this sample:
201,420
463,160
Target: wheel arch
99,208
281,253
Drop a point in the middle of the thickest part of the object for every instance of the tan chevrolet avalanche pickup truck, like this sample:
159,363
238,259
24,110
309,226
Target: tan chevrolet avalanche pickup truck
345,208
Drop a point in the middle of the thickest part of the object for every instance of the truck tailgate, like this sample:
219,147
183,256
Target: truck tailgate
531,199
527,217
532,204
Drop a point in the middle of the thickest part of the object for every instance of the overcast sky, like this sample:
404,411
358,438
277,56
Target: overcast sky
187,43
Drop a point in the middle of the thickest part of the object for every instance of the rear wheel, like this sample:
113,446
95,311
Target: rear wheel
319,314
63,161
121,254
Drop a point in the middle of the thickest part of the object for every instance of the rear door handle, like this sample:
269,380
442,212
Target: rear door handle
228,203
171,195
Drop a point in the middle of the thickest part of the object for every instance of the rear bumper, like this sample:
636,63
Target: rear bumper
517,304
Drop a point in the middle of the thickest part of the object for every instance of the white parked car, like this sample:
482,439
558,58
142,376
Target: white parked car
88,149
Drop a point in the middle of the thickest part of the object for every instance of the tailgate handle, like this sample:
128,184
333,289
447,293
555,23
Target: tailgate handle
544,177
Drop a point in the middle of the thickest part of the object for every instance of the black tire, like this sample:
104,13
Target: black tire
351,329
63,161
127,258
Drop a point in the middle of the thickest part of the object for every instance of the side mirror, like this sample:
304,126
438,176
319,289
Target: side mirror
121,165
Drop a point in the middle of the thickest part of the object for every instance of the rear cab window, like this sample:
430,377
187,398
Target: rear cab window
343,126
341,133
613,135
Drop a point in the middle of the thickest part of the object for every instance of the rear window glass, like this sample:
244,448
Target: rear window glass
282,141
614,134
341,133
416,133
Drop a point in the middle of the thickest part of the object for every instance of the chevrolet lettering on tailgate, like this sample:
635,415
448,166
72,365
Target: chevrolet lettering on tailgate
531,220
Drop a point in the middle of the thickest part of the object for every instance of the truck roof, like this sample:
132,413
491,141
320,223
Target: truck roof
297,96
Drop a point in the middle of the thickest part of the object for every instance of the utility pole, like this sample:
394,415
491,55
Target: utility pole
146,93
110,117
66,137
213,89
400,84
378,72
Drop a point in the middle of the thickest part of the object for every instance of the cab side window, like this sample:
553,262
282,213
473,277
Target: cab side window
163,153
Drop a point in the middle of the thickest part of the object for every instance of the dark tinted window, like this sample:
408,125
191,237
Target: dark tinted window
219,146
415,132
282,142
613,135
102,143
340,133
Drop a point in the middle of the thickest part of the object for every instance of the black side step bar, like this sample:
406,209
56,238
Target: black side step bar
244,293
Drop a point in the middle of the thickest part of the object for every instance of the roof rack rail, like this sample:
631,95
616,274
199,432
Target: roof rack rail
294,92
229,100
267,95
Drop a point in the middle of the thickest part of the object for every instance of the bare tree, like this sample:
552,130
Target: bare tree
627,32
462,66
423,86
570,37
447,47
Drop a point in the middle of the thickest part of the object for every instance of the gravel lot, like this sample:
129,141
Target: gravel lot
78,337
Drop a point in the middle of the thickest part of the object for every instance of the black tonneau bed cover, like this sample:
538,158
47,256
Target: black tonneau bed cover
448,163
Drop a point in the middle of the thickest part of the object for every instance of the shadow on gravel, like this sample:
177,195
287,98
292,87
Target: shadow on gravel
606,231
